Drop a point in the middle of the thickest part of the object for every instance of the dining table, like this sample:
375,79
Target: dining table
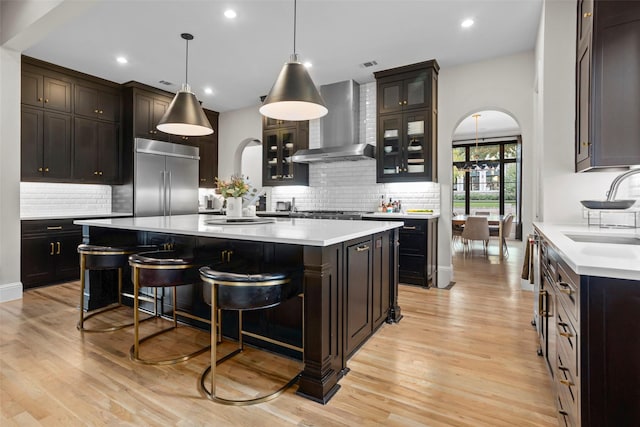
460,220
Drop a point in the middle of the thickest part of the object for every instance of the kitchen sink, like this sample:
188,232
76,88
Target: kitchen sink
599,238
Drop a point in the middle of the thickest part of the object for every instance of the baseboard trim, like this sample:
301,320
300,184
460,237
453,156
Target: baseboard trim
10,292
445,275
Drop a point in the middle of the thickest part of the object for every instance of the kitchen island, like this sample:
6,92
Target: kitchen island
348,276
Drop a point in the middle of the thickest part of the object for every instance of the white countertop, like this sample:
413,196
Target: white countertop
297,231
75,216
378,215
619,261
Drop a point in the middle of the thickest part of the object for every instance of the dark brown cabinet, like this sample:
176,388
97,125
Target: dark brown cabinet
607,90
45,145
208,149
279,144
41,88
96,153
148,110
97,103
591,343
407,123
418,252
358,289
49,252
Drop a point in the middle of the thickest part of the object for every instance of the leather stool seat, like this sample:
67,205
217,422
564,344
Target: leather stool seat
240,291
98,257
162,269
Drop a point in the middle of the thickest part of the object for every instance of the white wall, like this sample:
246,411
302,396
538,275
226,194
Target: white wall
561,188
235,126
503,84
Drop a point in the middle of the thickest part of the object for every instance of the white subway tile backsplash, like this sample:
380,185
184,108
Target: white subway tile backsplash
352,185
50,199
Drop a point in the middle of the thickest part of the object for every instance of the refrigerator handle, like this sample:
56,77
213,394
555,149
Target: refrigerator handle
164,193
170,190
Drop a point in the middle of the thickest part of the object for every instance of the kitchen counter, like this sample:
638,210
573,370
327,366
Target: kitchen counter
76,216
297,231
620,261
379,215
332,264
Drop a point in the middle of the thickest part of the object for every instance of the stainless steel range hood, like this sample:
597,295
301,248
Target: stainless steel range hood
340,128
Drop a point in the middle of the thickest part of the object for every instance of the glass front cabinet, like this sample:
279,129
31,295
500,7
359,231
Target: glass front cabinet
279,143
407,123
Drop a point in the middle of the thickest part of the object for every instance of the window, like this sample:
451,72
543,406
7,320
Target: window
486,178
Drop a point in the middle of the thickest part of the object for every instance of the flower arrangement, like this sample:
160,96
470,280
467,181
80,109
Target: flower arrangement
235,187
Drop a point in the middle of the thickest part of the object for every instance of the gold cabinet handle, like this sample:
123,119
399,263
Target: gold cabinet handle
567,383
565,334
100,111
566,289
59,227
95,172
229,253
52,248
404,227
40,99
95,111
203,180
46,169
222,255
541,294
39,169
100,173
405,102
59,247
399,102
362,248
587,15
46,100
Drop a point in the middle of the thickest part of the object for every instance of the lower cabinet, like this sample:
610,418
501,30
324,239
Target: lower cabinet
49,252
358,293
592,344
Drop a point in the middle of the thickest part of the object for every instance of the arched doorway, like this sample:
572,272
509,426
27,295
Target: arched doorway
487,166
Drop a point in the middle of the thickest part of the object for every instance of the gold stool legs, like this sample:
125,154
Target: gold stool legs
134,351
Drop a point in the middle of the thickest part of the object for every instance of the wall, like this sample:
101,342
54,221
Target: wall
235,126
46,199
503,84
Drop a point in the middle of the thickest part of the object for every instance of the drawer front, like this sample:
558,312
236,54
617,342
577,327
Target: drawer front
412,264
569,290
49,226
567,341
565,418
568,391
412,244
414,226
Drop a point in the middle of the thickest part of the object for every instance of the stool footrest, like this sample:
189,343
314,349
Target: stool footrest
172,361
111,328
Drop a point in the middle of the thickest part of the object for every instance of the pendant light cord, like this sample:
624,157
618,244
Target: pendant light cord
186,65
294,26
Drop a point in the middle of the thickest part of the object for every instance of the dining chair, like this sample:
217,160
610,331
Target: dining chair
476,228
507,224
456,233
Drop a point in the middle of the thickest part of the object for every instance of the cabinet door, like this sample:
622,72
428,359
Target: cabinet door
288,138
109,106
381,279
86,101
417,90
417,148
108,152
37,257
583,106
67,258
585,20
85,150
31,126
208,162
143,113
32,92
272,158
358,298
57,145
57,94
390,95
160,107
390,146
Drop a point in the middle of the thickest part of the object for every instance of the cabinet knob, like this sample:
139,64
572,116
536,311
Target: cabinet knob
40,99
46,100
405,102
95,111
151,132
100,173
203,180
587,15
39,169
399,102
46,169
585,143
95,172
101,111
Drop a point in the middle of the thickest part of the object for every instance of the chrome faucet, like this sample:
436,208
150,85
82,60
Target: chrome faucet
611,194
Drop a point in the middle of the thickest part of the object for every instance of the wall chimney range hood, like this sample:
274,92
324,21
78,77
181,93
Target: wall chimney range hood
340,128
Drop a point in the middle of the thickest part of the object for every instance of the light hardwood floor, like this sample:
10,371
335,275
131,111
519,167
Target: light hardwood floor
459,357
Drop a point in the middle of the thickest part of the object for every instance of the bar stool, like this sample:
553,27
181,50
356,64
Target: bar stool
94,257
240,291
161,269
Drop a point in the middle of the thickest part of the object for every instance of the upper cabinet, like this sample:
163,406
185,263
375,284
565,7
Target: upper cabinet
148,110
46,89
208,149
607,88
407,123
280,140
97,103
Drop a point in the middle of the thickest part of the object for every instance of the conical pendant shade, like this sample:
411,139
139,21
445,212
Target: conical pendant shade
185,116
293,95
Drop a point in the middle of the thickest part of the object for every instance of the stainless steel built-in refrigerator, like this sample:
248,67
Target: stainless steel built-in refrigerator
165,178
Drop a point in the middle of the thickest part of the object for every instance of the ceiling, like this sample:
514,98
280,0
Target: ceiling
239,59
491,123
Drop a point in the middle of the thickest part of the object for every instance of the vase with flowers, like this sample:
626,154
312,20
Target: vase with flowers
233,190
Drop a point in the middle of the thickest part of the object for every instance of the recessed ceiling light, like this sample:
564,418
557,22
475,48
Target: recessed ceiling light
208,90
467,23
121,60
308,64
230,13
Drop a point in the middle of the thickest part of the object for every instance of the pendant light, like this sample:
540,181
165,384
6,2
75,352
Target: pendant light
471,167
293,95
185,115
